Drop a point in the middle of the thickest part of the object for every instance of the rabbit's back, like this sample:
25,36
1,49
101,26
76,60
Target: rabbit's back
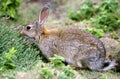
75,44
80,40
79,35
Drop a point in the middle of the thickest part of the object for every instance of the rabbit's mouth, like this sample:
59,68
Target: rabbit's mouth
27,37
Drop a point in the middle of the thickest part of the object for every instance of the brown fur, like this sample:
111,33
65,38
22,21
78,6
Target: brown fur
49,31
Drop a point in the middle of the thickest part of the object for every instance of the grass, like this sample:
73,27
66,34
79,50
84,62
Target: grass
27,54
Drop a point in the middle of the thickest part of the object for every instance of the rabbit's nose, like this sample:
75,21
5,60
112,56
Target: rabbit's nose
21,33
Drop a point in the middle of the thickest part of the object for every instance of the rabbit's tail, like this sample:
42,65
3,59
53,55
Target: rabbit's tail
109,65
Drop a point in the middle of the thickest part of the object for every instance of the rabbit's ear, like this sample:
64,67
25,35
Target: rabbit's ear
44,14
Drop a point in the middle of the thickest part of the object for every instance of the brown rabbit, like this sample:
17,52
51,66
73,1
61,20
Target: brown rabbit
78,47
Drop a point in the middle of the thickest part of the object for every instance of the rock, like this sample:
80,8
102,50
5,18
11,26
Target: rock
28,75
23,75
112,48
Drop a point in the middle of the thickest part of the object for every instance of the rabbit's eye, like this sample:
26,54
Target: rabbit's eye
28,27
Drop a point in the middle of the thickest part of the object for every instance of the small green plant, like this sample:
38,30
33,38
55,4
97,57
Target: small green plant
109,5
107,21
62,76
9,8
6,61
105,77
57,61
9,75
47,73
97,32
113,34
86,11
67,73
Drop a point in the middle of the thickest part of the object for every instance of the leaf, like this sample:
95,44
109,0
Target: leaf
12,12
8,2
57,61
9,8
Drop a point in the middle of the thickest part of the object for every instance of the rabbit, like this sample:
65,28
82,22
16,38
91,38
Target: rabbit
78,47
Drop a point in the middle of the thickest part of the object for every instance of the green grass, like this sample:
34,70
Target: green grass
104,17
26,52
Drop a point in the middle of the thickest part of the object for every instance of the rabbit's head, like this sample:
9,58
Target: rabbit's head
32,30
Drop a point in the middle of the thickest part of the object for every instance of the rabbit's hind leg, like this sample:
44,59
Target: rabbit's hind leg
93,63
